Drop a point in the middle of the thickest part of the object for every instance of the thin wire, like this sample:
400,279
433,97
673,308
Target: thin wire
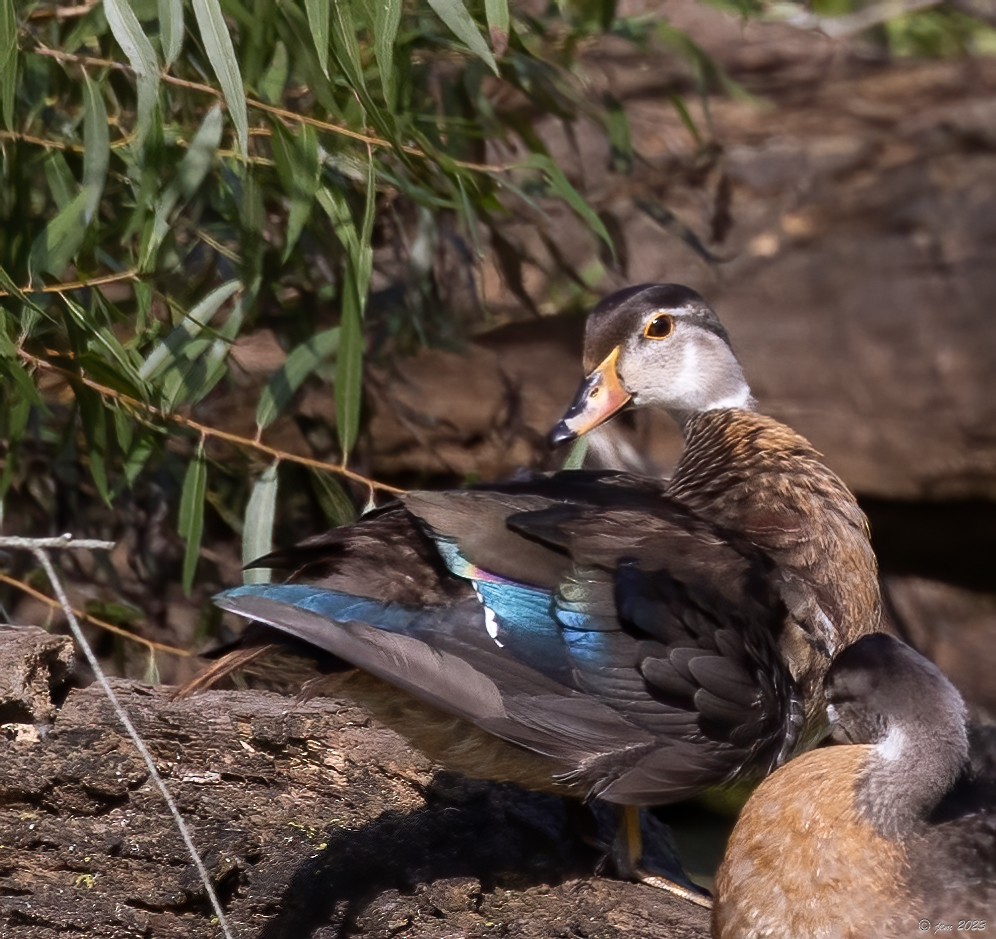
37,547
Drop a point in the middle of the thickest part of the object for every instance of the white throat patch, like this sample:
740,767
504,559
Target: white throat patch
892,747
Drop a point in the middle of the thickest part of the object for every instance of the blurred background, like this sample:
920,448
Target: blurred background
246,247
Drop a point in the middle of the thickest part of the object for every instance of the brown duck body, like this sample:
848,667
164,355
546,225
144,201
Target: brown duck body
602,634
876,837
753,475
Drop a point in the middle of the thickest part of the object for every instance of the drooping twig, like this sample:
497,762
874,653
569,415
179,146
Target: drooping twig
149,644
206,430
290,117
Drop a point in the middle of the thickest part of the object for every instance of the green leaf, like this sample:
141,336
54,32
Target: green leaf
8,61
191,172
25,318
178,344
318,21
385,17
96,147
562,187
620,138
575,456
141,56
93,417
107,346
257,533
213,365
364,253
274,80
348,48
11,371
221,54
336,206
60,180
171,29
335,503
191,521
299,167
686,118
355,285
143,445
497,15
349,366
300,364
459,21
15,424
58,243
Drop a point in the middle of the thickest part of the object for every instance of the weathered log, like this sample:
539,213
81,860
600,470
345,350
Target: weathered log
311,820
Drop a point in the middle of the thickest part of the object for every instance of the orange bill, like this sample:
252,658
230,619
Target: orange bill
600,396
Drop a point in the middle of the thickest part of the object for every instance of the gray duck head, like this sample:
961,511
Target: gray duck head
882,693
654,345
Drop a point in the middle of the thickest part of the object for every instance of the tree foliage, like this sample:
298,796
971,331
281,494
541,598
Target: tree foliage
178,173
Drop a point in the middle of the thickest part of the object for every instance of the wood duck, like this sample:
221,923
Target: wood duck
600,634
890,835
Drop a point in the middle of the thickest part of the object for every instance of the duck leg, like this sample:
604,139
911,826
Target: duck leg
627,856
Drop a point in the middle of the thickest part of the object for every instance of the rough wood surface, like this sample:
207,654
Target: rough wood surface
313,822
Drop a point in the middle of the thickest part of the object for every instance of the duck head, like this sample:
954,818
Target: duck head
884,695
657,345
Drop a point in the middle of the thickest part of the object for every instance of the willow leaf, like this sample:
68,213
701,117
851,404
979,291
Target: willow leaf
8,61
257,533
176,345
318,22
191,520
385,17
299,167
459,21
191,172
349,365
171,29
58,243
96,147
562,187
130,36
221,54
300,364
498,18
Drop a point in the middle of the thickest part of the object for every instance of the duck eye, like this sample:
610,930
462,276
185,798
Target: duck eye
660,327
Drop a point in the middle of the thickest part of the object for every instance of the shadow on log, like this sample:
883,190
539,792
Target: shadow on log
311,820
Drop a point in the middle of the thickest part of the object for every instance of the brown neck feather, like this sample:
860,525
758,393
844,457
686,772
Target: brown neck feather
753,475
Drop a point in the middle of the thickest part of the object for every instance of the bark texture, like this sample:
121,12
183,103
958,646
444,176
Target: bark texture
312,821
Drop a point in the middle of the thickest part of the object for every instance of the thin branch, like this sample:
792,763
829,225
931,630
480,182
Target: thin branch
149,644
207,431
291,117
42,557
77,284
60,12
118,144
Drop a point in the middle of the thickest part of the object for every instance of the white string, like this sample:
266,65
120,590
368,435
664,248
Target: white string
37,547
